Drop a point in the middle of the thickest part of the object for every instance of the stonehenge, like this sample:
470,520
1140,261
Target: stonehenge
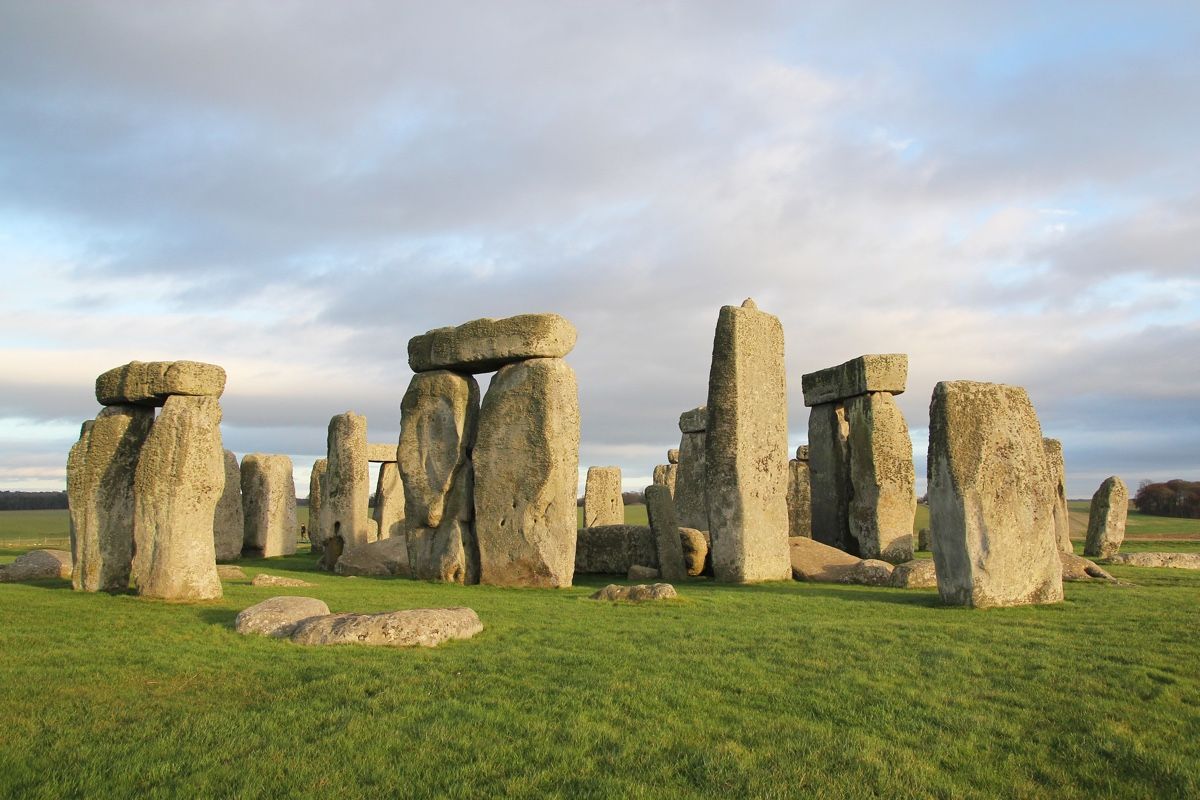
860,458
229,521
346,489
661,511
316,490
269,505
991,498
1106,519
691,507
799,495
602,501
1058,474
486,345
389,501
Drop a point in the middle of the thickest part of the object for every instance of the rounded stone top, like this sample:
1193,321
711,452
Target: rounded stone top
749,303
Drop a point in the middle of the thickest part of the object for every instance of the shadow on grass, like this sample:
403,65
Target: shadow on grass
221,617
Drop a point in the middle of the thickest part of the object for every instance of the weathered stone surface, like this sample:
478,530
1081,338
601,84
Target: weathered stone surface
641,572
923,539
695,550
919,574
78,488
660,510
263,579
883,503
829,475
602,502
665,475
269,504
389,501
484,345
347,487
863,375
802,453
151,383
613,549
746,448
813,561
1058,474
636,594
673,455
279,616
799,499
691,506
179,480
694,420
37,565
991,498
439,418
382,558
103,517
1172,560
526,475
868,572
1106,522
229,522
316,493
381,453
416,627
1078,568
230,572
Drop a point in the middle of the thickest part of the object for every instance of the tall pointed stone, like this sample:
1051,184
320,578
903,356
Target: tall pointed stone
269,505
884,501
602,501
345,515
229,523
691,508
1058,474
316,490
746,448
179,481
389,501
1106,520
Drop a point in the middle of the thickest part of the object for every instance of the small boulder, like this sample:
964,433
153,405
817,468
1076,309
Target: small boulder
1078,568
279,616
639,572
695,550
263,579
916,574
230,572
380,558
868,572
637,594
424,627
38,565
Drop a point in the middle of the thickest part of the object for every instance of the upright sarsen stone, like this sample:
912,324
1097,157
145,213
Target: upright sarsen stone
179,481
746,448
691,508
269,504
229,522
77,483
883,505
316,491
1106,520
526,475
1058,474
799,495
660,509
389,501
991,499
829,474
345,515
602,501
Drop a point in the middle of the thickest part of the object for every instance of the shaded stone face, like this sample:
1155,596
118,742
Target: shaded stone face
1106,521
484,345
799,500
151,383
858,376
229,522
389,501
602,502
1058,474
78,493
526,475
613,549
347,482
690,505
316,491
746,448
829,475
269,504
694,421
991,498
883,502
180,479
660,509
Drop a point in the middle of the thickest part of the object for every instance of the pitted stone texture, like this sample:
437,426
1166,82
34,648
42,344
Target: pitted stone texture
381,453
416,627
829,475
868,572
919,574
637,594
695,550
347,482
1058,474
863,375
883,503
389,501
1078,568
1172,560
439,418
665,475
694,420
660,510
37,565
484,345
602,502
78,491
691,507
316,495
378,559
263,579
991,498
269,504
1106,522
673,455
103,524
279,616
526,475
746,448
802,453
613,549
151,383
799,500
229,521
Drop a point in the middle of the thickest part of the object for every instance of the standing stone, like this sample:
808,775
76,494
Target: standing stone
690,505
1106,522
602,501
229,524
673,455
991,499
389,501
746,448
1058,475
345,515
527,474
179,482
269,504
316,491
799,495
883,505
104,523
829,474
77,482
439,417
661,510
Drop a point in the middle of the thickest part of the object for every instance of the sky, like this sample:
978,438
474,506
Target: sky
1006,192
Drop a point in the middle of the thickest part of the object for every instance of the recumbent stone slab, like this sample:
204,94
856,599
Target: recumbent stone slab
416,627
278,616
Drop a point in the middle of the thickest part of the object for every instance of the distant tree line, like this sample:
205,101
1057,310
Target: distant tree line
32,501
1170,499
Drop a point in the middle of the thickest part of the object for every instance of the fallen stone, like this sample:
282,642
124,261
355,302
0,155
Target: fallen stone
279,616
389,501
381,453
382,558
151,383
918,574
660,509
485,345
813,561
637,594
673,455
1078,568
416,627
37,565
269,504
262,579
229,521
883,500
641,572
1058,474
691,507
858,376
602,501
695,550
230,572
867,572
1106,521
694,420
1172,560
613,549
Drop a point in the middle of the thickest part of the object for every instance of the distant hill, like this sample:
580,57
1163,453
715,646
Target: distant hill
32,501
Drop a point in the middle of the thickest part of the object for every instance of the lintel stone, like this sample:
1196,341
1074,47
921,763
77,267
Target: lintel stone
870,373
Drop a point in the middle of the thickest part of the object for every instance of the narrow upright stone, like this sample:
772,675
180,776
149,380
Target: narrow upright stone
316,493
1106,521
691,508
347,483
526,475
1058,474
179,481
799,495
269,504
746,448
229,524
829,475
991,499
389,501
660,509
602,501
77,484
883,505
